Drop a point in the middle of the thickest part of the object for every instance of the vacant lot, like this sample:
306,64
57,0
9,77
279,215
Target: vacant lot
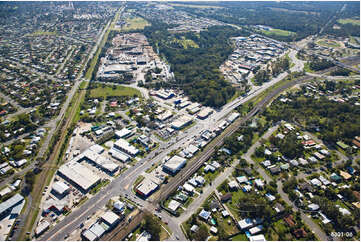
105,91
278,32
349,21
135,24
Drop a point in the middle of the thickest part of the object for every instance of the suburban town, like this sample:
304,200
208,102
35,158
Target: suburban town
156,121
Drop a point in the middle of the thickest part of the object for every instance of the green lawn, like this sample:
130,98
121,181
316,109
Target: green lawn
278,32
349,21
136,23
106,91
240,237
328,43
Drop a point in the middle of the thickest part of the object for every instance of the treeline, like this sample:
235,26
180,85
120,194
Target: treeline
196,70
335,121
340,72
318,64
273,69
301,18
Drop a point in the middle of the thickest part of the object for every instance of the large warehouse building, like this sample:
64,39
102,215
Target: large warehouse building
174,164
123,145
80,176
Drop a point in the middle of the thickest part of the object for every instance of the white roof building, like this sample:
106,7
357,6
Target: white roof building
117,154
188,188
60,187
124,146
118,205
146,187
79,175
110,218
245,223
123,133
41,228
174,164
96,149
88,235
256,229
259,237
181,122
173,205
97,229
232,117
204,113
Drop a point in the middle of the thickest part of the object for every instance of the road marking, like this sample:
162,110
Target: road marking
74,220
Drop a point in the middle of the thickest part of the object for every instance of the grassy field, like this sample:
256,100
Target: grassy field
109,91
278,32
135,24
349,21
186,43
307,68
39,33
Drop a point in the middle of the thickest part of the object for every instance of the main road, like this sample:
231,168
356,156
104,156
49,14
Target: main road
123,183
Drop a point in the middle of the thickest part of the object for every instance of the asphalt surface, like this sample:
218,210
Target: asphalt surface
123,184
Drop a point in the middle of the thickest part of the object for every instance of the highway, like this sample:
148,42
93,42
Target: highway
123,184
53,124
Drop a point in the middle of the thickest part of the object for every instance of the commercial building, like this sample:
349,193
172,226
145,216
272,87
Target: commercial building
116,69
123,145
110,219
13,205
99,161
146,187
174,164
41,228
164,116
204,113
80,176
117,154
232,117
164,94
181,122
123,133
60,188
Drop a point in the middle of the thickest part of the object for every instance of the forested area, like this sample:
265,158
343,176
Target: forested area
352,10
303,18
318,64
272,70
335,121
196,70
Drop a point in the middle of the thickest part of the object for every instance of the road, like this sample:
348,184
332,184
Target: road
123,183
312,225
53,124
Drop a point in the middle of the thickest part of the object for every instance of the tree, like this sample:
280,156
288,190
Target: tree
201,234
152,226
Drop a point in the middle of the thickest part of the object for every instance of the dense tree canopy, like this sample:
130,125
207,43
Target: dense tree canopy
196,70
